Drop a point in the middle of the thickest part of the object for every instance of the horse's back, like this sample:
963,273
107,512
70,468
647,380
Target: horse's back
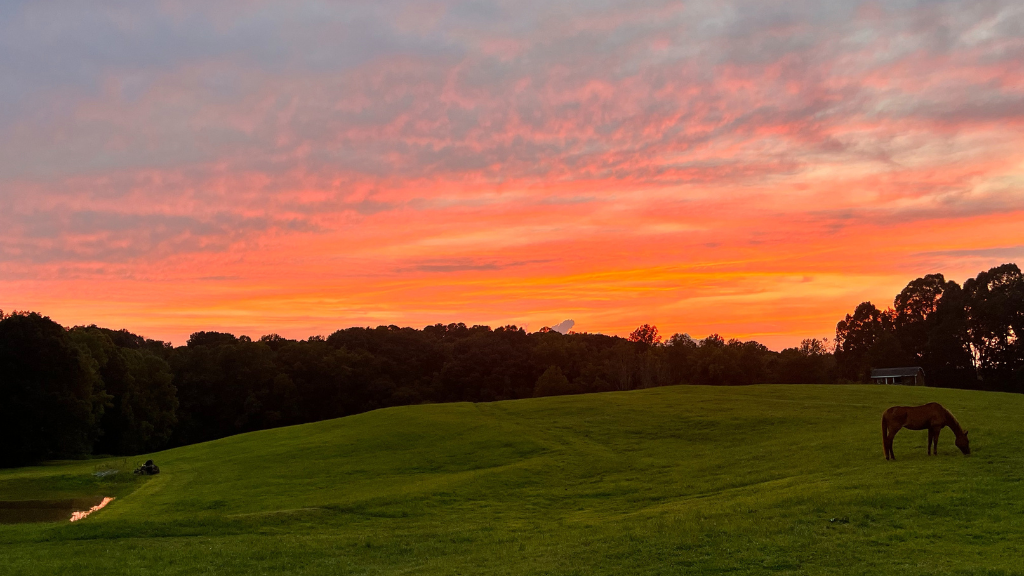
931,407
896,415
917,417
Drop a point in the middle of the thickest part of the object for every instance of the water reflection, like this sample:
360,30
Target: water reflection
78,515
21,511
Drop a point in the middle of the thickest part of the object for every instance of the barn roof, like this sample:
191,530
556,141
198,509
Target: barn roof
896,372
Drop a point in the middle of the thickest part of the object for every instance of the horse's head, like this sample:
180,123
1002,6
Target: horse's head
963,443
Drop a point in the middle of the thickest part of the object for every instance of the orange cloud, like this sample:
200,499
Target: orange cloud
747,169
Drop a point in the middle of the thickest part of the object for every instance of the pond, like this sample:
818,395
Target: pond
71,509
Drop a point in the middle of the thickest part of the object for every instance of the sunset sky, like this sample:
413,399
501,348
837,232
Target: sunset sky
754,169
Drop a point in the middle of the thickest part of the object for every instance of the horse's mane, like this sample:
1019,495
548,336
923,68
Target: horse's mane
954,424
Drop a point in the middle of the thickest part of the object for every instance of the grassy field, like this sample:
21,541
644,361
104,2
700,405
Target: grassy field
680,480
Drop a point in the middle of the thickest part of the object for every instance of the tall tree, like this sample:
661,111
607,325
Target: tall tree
912,307
855,335
50,396
141,414
947,356
995,310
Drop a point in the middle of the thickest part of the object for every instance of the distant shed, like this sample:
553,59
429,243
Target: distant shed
907,375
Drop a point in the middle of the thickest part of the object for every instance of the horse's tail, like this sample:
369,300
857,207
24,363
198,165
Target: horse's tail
885,435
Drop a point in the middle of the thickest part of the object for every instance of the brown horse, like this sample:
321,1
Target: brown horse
931,416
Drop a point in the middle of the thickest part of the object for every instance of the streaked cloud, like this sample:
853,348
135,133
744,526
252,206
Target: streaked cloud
327,164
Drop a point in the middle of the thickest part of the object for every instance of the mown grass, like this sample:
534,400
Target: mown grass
691,480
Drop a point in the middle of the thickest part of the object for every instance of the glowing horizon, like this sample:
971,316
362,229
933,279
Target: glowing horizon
751,169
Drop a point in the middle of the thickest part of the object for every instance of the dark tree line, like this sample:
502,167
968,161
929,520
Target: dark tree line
70,392
90,390
963,336
73,392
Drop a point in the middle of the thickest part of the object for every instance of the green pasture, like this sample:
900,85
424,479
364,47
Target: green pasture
678,480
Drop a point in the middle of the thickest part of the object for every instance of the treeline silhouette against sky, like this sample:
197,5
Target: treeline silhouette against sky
90,390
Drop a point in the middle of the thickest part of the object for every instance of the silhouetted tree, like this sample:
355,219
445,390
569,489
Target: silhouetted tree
913,307
886,352
947,355
995,311
50,396
813,362
855,335
141,413
211,339
645,334
679,357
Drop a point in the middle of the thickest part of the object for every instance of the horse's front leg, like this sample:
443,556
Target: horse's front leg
931,439
935,435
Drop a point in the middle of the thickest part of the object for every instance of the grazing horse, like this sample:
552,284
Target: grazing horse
931,416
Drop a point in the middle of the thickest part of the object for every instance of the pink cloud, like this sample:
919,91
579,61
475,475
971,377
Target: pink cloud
298,170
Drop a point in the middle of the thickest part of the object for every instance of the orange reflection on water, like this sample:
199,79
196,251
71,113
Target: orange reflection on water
75,516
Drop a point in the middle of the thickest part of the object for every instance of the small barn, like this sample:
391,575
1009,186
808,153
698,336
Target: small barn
907,375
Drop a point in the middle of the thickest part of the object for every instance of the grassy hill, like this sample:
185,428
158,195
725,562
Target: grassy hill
662,481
